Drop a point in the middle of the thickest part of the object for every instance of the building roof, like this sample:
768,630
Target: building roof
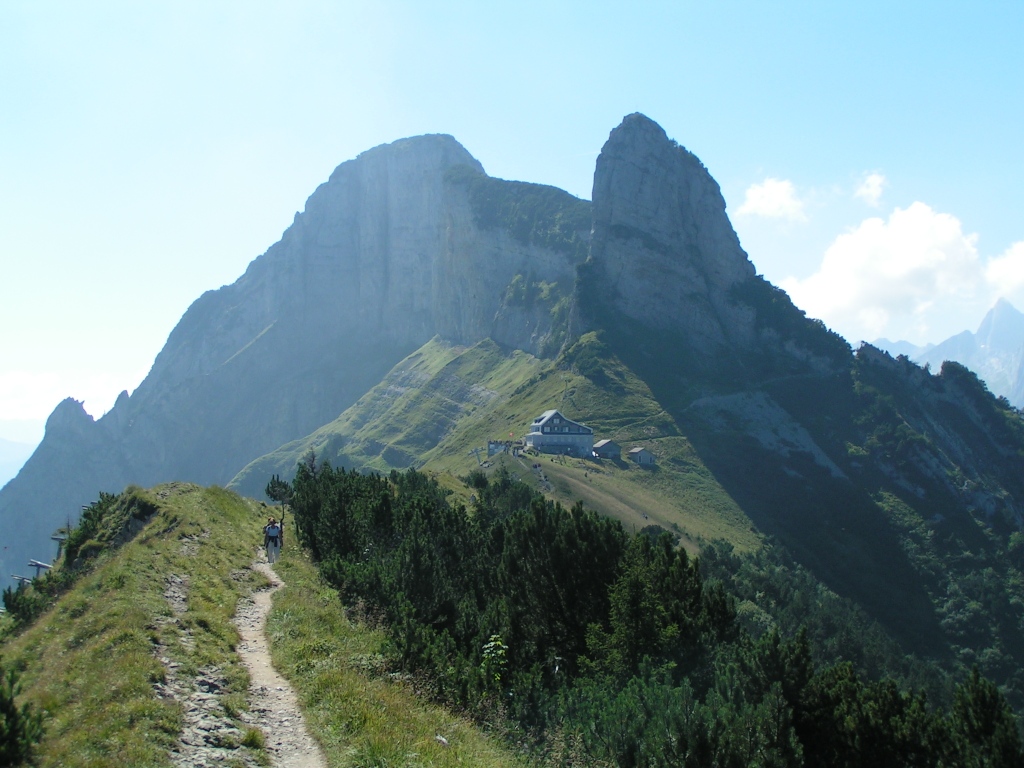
603,443
550,415
546,415
638,449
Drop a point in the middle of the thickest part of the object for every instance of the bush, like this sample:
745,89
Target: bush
23,603
21,728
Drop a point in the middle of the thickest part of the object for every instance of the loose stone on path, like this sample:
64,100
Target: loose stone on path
210,736
274,707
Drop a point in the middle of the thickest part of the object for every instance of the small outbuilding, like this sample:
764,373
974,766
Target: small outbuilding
641,455
607,449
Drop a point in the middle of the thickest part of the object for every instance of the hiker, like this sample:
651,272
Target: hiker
273,536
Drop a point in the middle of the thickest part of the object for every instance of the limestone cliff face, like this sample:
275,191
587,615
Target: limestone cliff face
392,250
357,261
510,255
311,324
664,252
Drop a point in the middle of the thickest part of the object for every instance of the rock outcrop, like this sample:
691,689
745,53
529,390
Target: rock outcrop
76,453
664,252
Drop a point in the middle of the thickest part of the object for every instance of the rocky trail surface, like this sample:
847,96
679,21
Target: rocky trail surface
274,707
210,736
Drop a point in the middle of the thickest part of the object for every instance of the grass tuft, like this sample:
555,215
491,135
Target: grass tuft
254,739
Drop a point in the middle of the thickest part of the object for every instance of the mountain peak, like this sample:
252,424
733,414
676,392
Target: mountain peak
663,245
1002,327
434,149
70,414
639,126
1003,303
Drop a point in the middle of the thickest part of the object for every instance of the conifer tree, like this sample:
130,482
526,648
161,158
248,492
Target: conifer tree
21,728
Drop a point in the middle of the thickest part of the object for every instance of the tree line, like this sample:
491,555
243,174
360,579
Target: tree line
596,647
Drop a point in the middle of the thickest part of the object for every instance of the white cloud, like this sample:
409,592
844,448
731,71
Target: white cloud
773,199
1005,275
870,189
917,277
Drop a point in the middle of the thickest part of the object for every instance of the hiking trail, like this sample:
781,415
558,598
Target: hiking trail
274,707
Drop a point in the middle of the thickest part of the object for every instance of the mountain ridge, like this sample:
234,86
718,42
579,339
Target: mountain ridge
413,341
139,659
995,351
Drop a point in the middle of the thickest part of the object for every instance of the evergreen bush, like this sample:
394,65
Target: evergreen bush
21,728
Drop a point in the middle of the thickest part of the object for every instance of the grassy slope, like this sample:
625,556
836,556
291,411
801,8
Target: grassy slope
710,482
360,715
440,403
401,418
90,662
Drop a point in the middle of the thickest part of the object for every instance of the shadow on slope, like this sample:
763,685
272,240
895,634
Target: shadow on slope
792,490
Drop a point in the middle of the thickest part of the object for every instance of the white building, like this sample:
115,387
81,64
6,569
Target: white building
641,455
551,432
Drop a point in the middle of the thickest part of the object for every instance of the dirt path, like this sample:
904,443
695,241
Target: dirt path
274,705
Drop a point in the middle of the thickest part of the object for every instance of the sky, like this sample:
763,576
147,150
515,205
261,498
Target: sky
870,153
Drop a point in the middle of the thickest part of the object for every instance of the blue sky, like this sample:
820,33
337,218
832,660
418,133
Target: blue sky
870,153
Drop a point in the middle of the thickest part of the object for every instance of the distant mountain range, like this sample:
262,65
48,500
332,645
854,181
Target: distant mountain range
995,351
418,308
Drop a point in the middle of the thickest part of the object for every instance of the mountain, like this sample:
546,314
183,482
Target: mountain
995,351
902,347
892,485
407,241
418,308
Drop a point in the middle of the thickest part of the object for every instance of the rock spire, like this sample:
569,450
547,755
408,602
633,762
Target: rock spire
664,252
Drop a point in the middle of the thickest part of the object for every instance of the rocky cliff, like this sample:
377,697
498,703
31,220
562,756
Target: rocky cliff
664,251
665,268
407,241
